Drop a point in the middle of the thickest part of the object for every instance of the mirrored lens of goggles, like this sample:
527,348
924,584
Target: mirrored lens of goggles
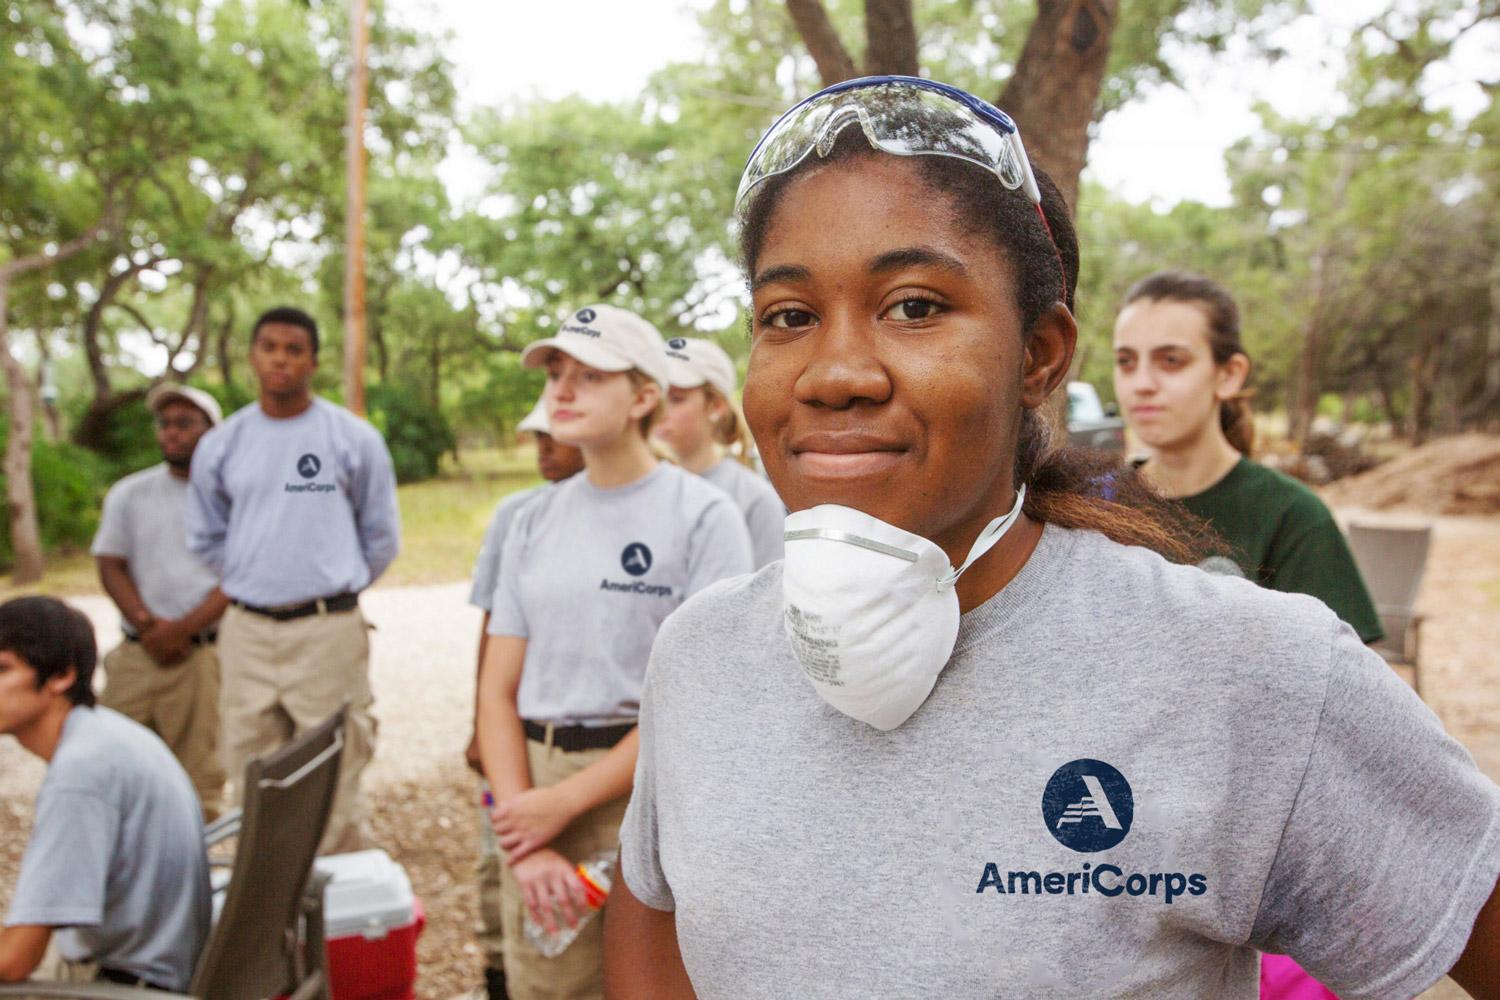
899,119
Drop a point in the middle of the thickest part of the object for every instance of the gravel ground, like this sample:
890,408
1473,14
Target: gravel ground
424,798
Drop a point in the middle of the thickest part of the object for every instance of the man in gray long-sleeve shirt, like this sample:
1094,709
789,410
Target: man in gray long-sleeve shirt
293,502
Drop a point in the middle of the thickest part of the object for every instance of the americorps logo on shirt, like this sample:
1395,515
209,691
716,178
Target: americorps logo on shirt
636,559
1088,806
308,467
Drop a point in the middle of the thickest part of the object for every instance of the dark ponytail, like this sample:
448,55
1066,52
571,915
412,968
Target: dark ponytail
1223,316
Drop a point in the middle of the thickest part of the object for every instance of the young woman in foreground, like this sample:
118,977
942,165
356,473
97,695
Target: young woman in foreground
1113,775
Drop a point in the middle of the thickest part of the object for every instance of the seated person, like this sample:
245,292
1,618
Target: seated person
115,865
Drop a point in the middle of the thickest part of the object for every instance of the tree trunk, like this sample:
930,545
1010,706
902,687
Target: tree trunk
25,534
890,38
226,364
354,211
51,418
1423,365
822,40
1489,407
1055,87
1310,362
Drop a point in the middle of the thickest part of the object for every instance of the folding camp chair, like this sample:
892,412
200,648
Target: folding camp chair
269,937
1392,559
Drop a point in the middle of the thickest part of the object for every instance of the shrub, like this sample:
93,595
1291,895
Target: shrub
417,434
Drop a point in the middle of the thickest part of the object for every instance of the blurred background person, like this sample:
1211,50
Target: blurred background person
293,501
705,432
555,461
1180,373
165,673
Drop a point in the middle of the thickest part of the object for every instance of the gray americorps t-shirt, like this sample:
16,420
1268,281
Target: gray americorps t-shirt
116,853
1129,777
143,523
292,509
765,514
487,566
591,572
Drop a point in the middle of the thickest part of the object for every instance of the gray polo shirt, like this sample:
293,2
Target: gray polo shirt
1129,777
765,514
143,523
116,857
487,566
591,572
293,509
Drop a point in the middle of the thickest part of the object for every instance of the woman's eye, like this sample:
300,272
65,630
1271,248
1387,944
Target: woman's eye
789,319
1124,363
913,310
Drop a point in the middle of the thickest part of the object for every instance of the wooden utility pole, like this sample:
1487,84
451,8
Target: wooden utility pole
354,213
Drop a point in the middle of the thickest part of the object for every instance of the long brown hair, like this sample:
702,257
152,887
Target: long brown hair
730,429
1218,308
1063,487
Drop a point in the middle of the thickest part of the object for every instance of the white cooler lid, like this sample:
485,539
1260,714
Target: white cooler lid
369,895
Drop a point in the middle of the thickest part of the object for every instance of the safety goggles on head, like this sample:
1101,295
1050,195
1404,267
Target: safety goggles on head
902,115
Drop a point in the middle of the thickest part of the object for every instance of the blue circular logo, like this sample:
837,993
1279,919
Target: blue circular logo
308,466
636,559
585,316
677,343
1088,806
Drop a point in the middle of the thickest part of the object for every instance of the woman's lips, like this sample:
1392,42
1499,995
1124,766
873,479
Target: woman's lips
842,455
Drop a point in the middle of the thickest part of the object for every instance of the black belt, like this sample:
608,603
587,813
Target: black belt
286,612
205,638
128,979
575,738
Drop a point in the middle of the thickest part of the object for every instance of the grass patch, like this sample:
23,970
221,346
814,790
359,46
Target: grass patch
442,524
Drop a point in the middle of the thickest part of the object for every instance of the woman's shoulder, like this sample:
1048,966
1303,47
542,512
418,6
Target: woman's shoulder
1145,599
739,612
1273,488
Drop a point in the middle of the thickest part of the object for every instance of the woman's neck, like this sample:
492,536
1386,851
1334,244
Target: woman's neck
620,462
1190,469
701,459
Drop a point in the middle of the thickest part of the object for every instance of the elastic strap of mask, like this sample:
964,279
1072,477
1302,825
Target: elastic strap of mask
849,537
991,534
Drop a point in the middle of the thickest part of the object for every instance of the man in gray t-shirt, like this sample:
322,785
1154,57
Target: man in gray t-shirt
165,673
1129,778
293,501
115,868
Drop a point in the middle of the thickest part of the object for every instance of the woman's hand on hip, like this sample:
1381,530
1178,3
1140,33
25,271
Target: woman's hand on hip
550,886
529,820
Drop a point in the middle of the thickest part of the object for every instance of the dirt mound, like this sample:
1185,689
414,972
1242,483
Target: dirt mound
1453,475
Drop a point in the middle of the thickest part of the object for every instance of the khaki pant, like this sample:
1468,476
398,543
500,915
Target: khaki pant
179,703
487,872
578,973
281,679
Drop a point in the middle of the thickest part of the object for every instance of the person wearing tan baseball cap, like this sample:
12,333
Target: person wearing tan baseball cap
592,566
556,462
165,673
704,431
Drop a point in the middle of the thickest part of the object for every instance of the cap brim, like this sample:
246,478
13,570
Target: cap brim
589,352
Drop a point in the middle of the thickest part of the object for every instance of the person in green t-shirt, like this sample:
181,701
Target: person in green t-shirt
1180,373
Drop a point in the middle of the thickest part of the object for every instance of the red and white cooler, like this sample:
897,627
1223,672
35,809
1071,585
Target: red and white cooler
371,920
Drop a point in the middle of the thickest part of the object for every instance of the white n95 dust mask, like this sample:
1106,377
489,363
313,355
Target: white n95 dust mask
870,609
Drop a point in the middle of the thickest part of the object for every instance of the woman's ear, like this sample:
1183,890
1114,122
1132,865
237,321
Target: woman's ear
647,399
1232,376
1049,353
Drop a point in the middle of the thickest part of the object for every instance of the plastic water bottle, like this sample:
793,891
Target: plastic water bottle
595,876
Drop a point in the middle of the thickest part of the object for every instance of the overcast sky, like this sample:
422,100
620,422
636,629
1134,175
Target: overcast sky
1167,146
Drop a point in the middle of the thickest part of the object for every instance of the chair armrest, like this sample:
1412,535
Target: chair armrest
85,991
221,829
